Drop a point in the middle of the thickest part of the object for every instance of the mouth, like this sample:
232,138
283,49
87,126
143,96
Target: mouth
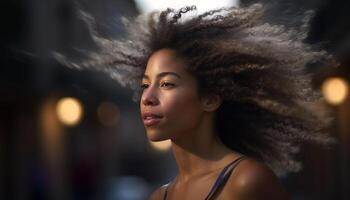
150,119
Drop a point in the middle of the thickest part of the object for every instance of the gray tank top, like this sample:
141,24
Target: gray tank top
220,180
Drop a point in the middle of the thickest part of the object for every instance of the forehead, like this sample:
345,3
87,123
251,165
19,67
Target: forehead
165,60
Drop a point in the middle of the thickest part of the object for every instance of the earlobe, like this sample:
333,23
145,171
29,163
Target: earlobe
211,103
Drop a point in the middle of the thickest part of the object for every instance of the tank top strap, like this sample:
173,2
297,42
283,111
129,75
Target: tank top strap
166,191
223,177
220,181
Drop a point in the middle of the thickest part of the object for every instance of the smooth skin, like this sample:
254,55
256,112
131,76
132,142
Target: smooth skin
188,121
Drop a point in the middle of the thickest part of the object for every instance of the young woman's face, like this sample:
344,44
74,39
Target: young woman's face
170,105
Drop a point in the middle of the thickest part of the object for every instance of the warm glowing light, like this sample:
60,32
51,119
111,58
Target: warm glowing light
335,90
202,5
108,113
161,145
69,111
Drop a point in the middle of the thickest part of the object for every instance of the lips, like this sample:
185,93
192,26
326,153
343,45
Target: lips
151,119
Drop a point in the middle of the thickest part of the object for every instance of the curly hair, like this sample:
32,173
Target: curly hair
258,69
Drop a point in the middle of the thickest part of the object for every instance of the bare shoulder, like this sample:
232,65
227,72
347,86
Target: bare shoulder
158,193
252,179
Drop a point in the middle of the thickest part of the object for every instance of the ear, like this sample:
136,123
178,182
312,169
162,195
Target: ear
211,102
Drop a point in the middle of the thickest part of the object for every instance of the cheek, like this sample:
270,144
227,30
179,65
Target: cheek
182,112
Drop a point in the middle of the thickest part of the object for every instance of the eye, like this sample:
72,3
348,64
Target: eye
144,86
166,84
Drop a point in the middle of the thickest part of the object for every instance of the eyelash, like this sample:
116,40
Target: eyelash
168,84
144,86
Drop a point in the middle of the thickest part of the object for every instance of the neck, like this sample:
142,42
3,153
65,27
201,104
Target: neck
200,152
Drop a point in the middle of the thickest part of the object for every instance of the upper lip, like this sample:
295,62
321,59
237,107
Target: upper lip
149,114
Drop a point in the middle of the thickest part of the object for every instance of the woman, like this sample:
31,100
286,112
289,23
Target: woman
172,109
229,90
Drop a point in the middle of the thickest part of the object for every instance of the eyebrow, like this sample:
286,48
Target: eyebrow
162,74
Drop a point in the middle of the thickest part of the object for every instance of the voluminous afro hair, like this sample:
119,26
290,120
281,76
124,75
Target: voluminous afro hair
258,69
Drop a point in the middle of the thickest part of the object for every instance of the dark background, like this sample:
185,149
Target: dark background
92,161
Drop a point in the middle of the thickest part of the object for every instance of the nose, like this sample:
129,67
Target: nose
149,97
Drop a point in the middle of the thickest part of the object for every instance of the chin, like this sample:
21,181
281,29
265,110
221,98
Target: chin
156,136
156,139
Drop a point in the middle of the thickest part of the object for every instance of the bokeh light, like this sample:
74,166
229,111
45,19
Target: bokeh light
335,90
69,111
128,188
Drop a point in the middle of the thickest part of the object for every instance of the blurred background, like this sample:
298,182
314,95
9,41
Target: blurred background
69,134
